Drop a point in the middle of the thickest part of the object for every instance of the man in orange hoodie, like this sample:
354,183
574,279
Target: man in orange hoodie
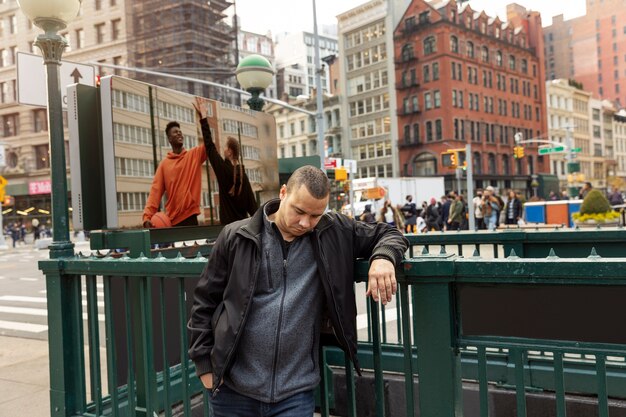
179,177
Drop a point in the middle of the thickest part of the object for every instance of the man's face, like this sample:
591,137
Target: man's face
175,137
299,211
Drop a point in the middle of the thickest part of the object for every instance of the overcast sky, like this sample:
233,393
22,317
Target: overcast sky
295,15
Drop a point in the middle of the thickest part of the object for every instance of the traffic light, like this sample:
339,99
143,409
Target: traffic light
449,159
518,152
454,158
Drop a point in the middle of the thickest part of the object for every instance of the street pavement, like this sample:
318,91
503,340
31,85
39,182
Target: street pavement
24,364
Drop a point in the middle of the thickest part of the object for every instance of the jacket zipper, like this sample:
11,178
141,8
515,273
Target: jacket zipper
269,270
243,320
280,320
343,333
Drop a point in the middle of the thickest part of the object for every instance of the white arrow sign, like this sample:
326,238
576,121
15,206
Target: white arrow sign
31,79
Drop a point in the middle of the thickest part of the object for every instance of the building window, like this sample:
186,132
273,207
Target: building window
437,98
524,66
40,120
484,54
499,58
426,73
416,133
12,24
435,71
42,157
424,164
99,32
430,45
10,125
470,49
428,104
407,52
429,131
454,44
512,62
80,38
115,29
409,23
407,133
438,129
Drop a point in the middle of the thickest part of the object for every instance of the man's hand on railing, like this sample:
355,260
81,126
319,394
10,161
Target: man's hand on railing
207,380
382,282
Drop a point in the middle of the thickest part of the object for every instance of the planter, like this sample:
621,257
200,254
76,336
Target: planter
594,223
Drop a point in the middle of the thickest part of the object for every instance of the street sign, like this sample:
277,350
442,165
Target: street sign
31,79
332,163
543,151
577,150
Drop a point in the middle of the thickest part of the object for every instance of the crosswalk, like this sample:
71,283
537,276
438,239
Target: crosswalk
23,302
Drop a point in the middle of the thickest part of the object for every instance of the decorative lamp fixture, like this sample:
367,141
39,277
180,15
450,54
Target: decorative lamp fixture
255,74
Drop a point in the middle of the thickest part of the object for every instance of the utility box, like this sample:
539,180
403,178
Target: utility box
535,212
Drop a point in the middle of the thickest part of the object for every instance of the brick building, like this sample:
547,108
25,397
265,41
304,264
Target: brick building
464,77
591,49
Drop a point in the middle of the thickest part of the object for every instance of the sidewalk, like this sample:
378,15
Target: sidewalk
24,379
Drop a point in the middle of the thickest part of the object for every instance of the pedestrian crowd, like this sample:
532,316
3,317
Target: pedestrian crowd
18,230
450,212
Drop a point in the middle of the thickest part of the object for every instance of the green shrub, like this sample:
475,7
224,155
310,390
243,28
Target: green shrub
595,202
610,216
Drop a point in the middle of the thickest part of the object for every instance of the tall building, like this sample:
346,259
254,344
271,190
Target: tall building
569,115
591,49
180,37
367,82
464,77
249,43
290,81
619,138
297,131
297,50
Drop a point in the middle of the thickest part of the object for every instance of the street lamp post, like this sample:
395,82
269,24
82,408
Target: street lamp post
255,74
53,16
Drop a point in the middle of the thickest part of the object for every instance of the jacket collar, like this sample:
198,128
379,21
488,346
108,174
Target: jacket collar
255,226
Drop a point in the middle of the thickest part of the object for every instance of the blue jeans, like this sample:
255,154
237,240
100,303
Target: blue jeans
228,403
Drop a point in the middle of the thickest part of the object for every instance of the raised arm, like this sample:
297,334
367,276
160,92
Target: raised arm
211,150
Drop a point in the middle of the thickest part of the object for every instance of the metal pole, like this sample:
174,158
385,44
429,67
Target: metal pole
470,186
319,95
573,191
459,175
52,45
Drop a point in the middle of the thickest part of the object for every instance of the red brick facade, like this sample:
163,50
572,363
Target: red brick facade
464,77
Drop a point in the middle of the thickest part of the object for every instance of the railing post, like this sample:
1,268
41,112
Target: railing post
65,340
439,361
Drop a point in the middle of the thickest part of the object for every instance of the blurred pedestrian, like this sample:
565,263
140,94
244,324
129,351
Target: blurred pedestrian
410,214
513,209
367,216
478,211
616,197
455,216
432,216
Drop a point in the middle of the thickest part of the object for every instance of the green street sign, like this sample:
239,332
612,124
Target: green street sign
577,150
544,151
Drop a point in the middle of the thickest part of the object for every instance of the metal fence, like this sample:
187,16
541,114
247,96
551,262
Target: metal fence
126,355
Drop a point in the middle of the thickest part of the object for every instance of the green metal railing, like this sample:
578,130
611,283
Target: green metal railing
527,243
128,367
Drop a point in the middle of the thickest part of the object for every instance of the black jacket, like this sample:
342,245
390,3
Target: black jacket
232,207
227,284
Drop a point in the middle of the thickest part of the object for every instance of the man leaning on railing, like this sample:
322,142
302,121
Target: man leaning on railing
258,307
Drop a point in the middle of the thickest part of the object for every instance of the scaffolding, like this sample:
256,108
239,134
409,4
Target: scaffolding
191,38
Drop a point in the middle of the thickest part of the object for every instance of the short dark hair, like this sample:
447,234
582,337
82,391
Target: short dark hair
233,145
314,179
169,127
